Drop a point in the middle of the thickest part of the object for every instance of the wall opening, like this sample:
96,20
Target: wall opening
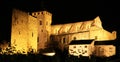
63,40
19,32
74,38
41,12
34,13
85,46
32,34
37,39
40,22
110,49
41,30
51,38
84,52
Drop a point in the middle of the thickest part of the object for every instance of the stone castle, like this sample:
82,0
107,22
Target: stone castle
34,30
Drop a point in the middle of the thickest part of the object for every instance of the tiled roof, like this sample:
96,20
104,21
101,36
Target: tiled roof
105,42
81,42
75,27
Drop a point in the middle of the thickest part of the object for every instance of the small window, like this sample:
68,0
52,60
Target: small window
86,46
40,22
110,49
37,39
32,34
41,12
95,37
74,46
41,30
63,40
79,50
19,32
74,38
85,51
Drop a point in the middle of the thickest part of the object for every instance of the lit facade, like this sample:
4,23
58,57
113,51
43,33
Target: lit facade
81,48
35,30
105,48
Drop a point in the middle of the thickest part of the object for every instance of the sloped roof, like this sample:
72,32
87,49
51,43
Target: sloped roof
76,27
105,42
81,42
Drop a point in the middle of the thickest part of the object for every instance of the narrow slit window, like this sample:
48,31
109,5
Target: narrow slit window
37,39
63,40
19,32
32,34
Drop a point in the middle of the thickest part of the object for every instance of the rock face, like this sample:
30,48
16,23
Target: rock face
35,30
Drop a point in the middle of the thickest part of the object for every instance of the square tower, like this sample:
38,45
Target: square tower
24,31
44,19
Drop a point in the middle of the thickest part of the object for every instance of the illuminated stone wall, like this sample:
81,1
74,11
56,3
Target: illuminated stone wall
105,50
24,31
81,30
19,31
80,49
34,31
45,19
103,34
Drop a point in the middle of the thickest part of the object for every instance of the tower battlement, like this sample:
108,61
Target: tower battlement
35,14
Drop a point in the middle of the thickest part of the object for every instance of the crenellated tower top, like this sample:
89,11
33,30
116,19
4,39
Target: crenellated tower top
35,14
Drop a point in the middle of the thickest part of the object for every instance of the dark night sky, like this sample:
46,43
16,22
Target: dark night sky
64,11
